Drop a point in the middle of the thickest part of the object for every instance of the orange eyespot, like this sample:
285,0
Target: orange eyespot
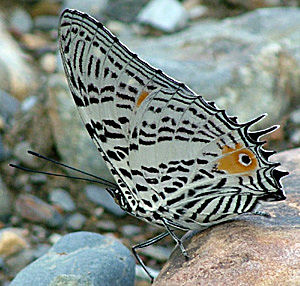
142,97
238,160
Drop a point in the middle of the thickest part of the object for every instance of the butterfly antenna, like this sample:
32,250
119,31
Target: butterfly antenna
99,180
53,174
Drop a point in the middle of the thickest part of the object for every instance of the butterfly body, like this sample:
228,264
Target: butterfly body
178,160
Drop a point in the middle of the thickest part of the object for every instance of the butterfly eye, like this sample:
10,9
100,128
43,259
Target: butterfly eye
244,159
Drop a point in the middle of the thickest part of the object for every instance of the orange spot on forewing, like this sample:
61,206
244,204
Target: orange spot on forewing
142,97
231,164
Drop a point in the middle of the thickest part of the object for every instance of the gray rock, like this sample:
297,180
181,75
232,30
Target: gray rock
28,103
166,15
4,153
124,10
17,76
76,221
20,152
159,253
5,201
36,210
38,179
236,62
8,106
91,7
63,199
295,137
21,20
100,196
81,258
295,117
40,250
46,22
18,261
64,116
130,230
106,225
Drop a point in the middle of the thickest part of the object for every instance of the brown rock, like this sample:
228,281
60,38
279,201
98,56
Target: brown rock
12,240
250,250
36,210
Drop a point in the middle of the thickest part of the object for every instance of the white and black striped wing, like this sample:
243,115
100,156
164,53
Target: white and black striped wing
167,148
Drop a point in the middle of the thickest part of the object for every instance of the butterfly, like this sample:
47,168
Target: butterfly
179,162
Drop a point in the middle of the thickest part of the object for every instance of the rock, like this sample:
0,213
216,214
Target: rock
295,137
28,103
17,262
76,221
46,22
48,63
124,10
54,238
295,117
5,201
91,7
40,250
81,258
251,250
12,241
3,151
100,196
9,106
254,4
38,179
64,117
106,225
21,21
63,199
159,253
36,210
20,152
142,275
198,12
17,76
165,15
130,230
236,62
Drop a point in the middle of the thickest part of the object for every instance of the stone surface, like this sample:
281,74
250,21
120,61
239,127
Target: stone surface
5,201
236,62
63,199
36,210
124,10
8,106
91,7
46,22
21,21
165,15
12,241
251,250
81,258
20,152
48,63
17,76
67,127
76,221
100,196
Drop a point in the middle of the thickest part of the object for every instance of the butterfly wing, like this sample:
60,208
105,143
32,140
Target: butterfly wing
172,154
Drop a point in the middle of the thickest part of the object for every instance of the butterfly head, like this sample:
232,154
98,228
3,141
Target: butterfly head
120,199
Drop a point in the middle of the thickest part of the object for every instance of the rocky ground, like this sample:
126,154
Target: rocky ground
245,55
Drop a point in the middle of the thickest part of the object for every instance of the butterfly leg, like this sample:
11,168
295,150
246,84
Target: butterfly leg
177,240
145,244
